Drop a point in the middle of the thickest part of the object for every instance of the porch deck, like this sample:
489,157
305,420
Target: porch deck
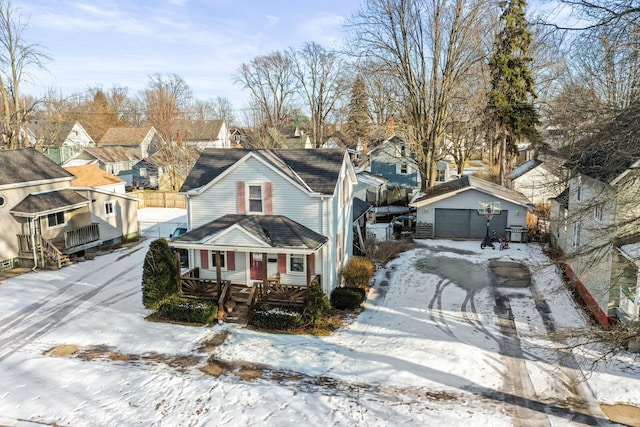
239,298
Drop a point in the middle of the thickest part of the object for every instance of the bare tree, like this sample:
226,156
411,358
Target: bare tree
16,58
427,46
166,99
271,83
320,74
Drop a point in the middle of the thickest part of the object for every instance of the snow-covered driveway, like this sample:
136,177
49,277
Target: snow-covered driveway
438,344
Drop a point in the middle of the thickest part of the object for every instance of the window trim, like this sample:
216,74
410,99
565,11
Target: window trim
290,258
597,212
58,224
111,203
405,166
249,199
212,260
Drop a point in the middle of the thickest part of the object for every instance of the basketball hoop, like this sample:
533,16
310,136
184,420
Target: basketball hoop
488,209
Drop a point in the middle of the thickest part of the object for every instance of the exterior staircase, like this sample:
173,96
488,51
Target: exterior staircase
54,257
239,304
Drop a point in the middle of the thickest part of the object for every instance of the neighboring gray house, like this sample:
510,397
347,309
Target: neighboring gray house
142,141
394,160
255,215
595,222
450,210
45,220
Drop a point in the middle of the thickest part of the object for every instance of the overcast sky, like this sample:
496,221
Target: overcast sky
122,42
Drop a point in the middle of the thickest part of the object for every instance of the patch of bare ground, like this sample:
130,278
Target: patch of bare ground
61,350
621,413
213,342
244,370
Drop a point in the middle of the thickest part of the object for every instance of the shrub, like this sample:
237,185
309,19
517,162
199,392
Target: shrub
358,272
317,305
188,310
276,318
159,274
348,298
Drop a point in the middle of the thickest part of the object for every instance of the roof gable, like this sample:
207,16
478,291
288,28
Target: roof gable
92,176
276,231
316,169
28,165
127,135
468,182
111,154
613,151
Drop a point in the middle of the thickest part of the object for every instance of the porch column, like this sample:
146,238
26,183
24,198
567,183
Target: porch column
265,273
218,272
307,264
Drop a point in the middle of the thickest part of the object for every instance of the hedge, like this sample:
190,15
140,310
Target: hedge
348,297
188,310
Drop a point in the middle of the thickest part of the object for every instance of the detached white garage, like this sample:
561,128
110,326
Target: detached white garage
450,210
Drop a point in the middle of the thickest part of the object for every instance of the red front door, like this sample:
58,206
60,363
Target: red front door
256,266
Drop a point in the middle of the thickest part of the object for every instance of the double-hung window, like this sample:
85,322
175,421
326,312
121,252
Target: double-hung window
597,213
223,261
55,219
110,208
255,198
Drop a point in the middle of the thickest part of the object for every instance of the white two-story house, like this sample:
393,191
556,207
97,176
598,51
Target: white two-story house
258,214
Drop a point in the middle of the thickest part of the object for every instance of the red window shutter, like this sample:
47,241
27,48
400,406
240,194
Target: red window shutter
268,205
312,264
231,260
204,259
282,263
241,207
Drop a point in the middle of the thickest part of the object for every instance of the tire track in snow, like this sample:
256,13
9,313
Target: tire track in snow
46,323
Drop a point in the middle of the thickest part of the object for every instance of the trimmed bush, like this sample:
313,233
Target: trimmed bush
188,310
159,274
348,298
275,318
317,305
358,272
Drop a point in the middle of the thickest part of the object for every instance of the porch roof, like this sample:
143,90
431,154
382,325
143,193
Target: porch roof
40,204
276,231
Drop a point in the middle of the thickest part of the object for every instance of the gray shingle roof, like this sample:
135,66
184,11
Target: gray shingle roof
318,169
360,207
49,202
114,154
613,150
468,181
277,230
28,165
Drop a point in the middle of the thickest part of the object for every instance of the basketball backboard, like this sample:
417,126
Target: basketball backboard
488,208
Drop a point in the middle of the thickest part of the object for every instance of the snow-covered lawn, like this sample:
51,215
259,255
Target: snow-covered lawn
429,349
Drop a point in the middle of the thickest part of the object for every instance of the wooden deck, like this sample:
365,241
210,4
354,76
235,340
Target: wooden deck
236,299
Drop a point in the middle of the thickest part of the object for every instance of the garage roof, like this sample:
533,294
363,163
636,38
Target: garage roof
469,182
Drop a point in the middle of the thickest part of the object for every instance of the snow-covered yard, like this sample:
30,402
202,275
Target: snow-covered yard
429,349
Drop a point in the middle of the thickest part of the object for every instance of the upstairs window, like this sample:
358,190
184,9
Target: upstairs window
404,168
110,208
597,213
255,199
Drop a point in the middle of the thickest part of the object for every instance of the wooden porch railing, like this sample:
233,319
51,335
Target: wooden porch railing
43,247
81,236
275,293
191,285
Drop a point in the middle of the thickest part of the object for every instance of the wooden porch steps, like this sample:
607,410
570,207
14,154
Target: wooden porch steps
239,303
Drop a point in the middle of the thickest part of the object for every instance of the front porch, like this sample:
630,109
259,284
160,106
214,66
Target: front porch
237,299
56,252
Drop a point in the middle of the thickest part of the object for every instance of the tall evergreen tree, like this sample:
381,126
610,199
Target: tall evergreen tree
358,124
510,99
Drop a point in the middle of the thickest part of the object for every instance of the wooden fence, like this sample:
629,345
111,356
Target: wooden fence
159,199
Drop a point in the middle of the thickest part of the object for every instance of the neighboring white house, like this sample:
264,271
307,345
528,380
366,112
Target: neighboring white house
93,176
268,213
58,140
540,179
207,134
